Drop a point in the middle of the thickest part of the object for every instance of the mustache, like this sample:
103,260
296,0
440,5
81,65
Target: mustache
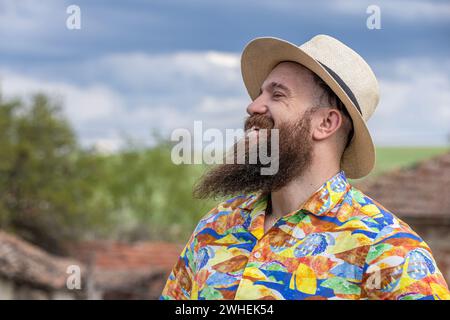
260,121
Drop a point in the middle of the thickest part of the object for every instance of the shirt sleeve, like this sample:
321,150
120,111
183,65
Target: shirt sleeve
181,279
400,266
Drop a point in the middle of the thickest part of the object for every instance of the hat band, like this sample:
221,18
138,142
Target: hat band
343,85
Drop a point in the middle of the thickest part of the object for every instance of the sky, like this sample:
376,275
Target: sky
135,67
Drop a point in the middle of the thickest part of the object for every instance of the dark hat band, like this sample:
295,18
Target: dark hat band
343,85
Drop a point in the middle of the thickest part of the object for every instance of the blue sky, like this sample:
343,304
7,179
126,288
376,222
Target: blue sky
136,66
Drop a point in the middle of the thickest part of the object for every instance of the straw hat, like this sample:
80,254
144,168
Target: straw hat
342,69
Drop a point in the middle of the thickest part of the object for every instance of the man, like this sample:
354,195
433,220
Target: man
304,232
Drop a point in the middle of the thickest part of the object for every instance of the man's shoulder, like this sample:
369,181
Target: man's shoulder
377,218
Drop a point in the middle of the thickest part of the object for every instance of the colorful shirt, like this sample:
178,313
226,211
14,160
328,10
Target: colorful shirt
340,244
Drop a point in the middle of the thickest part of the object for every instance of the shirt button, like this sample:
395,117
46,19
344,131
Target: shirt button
257,255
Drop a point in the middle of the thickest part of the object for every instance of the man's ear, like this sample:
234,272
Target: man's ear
325,122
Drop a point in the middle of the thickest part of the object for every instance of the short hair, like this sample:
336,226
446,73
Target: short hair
333,101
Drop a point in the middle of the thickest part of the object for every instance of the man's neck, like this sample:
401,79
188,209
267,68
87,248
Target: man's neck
297,192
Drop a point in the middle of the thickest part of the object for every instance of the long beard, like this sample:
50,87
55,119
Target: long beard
295,156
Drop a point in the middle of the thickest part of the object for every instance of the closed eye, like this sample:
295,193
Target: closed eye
278,95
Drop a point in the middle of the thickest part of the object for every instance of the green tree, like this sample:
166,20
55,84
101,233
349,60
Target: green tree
52,191
152,195
47,184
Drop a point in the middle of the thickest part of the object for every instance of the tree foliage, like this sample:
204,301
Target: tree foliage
52,191
152,195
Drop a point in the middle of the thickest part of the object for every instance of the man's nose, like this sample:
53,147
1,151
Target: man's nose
257,107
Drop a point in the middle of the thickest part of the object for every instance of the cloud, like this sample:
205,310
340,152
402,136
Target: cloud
163,74
25,16
133,94
414,107
88,109
23,22
81,104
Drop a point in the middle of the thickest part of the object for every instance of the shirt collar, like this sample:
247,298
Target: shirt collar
319,203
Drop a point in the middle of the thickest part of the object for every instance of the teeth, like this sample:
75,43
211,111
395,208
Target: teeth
252,130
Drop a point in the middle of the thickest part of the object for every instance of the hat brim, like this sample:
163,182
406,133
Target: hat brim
261,56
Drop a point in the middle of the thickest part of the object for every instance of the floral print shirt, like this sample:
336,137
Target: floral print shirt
340,244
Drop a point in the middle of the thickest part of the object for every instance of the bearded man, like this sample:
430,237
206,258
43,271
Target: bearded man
304,232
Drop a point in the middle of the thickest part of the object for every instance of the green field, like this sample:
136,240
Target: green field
390,158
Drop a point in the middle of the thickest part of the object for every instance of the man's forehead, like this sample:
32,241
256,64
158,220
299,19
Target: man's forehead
287,74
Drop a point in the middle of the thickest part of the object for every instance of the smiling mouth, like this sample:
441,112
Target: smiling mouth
253,129
253,132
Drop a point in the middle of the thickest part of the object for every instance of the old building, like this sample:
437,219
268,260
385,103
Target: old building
420,196
107,270
127,270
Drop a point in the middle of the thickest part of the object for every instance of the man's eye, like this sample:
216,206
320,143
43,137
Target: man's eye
277,95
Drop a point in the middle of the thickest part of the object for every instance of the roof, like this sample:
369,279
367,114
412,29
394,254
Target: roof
23,262
419,191
129,267
136,270
120,255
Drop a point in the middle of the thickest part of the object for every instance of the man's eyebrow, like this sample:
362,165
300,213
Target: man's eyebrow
278,85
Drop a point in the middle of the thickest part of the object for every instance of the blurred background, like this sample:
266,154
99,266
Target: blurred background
86,114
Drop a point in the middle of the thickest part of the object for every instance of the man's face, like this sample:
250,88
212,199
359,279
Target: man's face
284,104
286,94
